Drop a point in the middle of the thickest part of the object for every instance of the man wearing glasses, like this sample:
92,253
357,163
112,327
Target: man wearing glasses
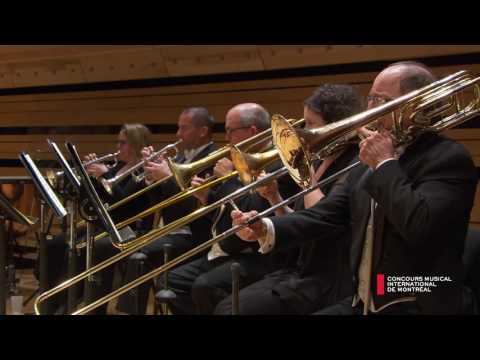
408,210
202,283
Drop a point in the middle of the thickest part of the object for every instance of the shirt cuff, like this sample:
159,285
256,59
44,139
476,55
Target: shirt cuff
267,242
384,162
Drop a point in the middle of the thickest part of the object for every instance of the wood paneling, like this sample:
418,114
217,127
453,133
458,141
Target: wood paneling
41,65
161,105
26,66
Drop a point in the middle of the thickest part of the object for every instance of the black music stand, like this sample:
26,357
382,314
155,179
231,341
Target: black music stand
95,206
67,170
71,191
49,197
8,212
92,195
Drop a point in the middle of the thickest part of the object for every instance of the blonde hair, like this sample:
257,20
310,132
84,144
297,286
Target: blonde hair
138,136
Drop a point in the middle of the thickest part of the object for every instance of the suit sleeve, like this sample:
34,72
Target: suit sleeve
325,221
429,208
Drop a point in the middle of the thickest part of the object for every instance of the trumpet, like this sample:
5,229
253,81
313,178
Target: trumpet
170,150
419,107
55,178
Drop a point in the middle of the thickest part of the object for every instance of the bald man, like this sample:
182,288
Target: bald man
202,283
407,257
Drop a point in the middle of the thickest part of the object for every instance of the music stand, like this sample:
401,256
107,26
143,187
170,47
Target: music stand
47,193
95,201
8,212
96,205
67,170
71,194
49,197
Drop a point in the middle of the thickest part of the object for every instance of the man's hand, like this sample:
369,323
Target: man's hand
155,172
202,196
148,151
251,233
223,167
375,147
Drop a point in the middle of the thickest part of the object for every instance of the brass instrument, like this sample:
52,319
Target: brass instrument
298,146
55,177
248,167
137,244
184,173
170,150
422,107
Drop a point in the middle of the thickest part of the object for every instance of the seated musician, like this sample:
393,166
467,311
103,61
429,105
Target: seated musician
408,208
315,275
195,129
131,140
202,283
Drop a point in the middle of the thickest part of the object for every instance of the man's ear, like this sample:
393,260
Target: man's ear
203,131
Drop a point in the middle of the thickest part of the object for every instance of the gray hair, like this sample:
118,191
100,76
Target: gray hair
256,116
200,117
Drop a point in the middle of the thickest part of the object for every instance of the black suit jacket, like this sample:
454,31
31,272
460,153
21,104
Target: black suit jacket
319,271
200,227
124,188
426,197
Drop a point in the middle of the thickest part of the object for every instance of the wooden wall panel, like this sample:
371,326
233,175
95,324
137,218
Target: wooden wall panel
162,105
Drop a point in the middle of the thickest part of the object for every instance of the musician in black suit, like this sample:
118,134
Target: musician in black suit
420,196
195,129
131,140
202,283
315,274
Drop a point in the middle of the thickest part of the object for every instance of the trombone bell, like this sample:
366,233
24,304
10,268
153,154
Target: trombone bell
291,151
249,166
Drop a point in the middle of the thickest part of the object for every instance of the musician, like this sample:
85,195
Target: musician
202,283
131,140
420,195
195,130
316,274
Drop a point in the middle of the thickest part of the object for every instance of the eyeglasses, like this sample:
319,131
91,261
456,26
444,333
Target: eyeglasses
378,99
229,131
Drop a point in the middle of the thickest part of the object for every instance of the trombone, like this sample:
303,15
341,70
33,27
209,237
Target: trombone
419,107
